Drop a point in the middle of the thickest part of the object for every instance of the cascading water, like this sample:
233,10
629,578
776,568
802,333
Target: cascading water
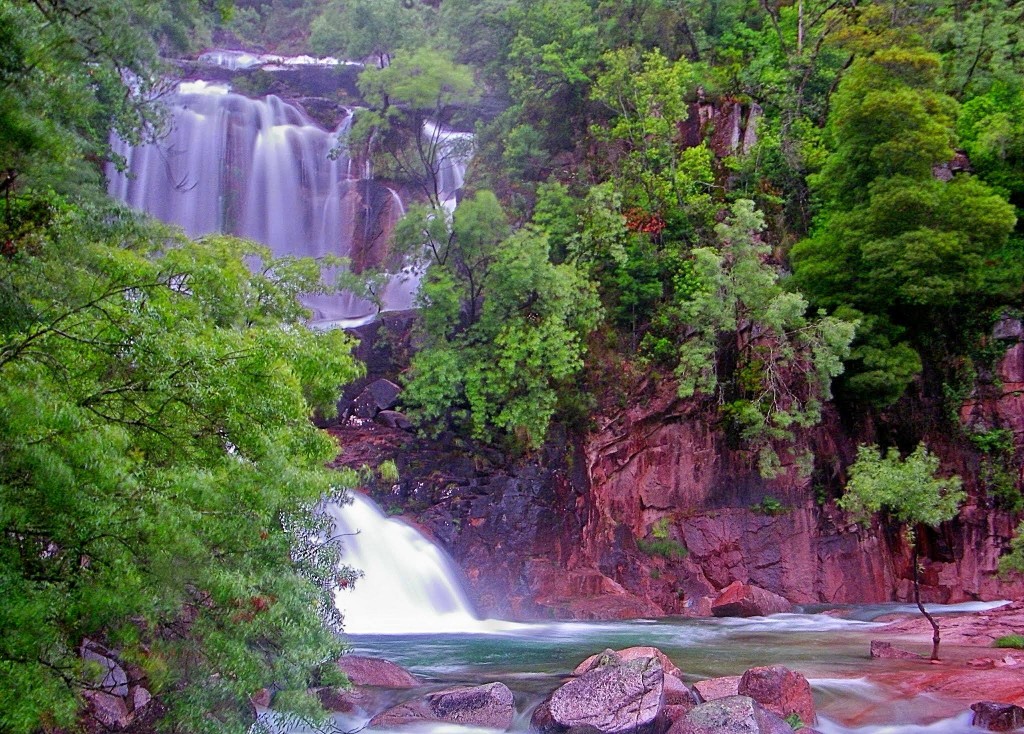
408,584
262,169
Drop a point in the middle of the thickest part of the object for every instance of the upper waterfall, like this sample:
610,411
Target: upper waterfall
262,169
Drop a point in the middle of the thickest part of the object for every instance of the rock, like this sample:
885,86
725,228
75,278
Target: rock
337,699
678,693
780,690
114,680
996,716
490,706
109,710
1008,329
626,654
377,396
746,600
888,651
731,715
367,671
714,688
616,698
261,698
394,419
140,698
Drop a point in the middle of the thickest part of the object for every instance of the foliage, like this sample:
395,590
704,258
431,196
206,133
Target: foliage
661,544
159,471
910,489
401,129
1013,641
356,29
769,505
737,313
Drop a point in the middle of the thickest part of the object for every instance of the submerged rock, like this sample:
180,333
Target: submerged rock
490,706
730,715
779,690
367,671
618,697
996,716
746,600
888,651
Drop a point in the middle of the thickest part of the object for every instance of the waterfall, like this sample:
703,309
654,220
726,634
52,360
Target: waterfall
261,169
408,584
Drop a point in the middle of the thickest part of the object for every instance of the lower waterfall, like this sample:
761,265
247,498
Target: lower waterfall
408,586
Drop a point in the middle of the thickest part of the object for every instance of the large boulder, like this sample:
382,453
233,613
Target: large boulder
377,396
367,671
746,600
628,653
489,706
779,690
731,715
995,716
619,697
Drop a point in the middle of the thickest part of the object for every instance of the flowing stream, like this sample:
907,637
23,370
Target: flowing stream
410,608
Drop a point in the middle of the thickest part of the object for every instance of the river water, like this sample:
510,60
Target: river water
444,643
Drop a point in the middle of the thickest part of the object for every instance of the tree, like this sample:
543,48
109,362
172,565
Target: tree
159,472
911,491
356,29
750,342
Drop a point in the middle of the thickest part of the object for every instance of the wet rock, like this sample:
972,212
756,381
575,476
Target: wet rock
108,710
628,653
678,693
714,688
887,651
490,706
780,690
394,419
377,396
367,671
1009,329
617,698
338,699
995,716
731,715
746,600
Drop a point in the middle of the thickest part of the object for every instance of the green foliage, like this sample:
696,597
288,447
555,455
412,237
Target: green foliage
661,544
794,721
784,360
769,505
158,468
909,489
388,471
356,29
1015,642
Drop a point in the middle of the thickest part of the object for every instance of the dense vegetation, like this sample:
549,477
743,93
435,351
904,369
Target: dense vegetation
158,470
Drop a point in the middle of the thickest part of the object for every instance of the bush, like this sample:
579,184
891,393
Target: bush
1014,641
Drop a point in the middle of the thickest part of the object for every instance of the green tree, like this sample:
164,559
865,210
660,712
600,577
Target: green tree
750,342
357,29
159,472
911,491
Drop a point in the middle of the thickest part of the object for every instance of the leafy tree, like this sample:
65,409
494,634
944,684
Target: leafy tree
911,491
158,469
357,29
740,324
892,240
415,89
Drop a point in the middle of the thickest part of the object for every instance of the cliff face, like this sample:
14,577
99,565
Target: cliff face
654,511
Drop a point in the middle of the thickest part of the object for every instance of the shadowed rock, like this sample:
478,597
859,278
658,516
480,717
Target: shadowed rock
730,715
996,716
779,690
490,706
888,651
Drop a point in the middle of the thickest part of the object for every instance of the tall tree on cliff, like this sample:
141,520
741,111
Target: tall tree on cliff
912,492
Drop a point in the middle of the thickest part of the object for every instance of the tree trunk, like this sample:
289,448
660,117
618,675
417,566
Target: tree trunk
917,599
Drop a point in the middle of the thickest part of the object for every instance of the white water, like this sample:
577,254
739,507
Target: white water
261,169
408,586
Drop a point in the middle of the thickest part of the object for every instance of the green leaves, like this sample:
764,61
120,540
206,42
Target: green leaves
158,469
907,488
